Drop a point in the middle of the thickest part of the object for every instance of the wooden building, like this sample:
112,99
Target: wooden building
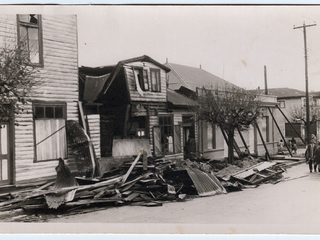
210,140
131,99
30,149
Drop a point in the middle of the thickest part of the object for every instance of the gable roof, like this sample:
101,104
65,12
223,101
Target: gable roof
193,78
282,92
120,64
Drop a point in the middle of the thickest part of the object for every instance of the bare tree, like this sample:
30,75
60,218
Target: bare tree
299,113
16,81
231,109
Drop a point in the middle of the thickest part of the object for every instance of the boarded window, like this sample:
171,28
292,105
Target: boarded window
50,131
29,33
155,80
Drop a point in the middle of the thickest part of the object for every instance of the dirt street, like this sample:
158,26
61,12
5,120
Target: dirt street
287,207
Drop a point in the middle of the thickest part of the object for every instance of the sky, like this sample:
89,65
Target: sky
231,42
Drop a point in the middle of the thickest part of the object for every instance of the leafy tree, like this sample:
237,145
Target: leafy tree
16,81
230,109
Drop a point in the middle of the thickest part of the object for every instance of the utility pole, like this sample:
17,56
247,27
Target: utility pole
304,26
265,81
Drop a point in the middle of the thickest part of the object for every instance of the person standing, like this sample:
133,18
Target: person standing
294,145
309,154
317,157
280,147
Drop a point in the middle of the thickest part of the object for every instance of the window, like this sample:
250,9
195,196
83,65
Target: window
282,104
211,137
265,128
155,80
166,130
293,129
50,131
29,37
141,77
136,127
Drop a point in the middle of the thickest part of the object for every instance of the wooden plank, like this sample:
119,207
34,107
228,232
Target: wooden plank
157,141
124,179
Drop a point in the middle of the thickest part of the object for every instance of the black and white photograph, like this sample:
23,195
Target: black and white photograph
160,119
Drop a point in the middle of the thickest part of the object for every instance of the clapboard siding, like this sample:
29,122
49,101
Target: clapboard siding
59,77
94,129
147,95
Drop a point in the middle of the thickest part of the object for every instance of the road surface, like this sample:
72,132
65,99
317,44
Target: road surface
289,207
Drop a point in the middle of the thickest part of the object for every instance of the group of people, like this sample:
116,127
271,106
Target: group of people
292,145
312,154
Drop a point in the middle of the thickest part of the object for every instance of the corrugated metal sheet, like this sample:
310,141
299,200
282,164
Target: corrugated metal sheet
205,184
249,171
93,87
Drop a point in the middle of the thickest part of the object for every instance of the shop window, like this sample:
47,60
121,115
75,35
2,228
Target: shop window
50,131
30,37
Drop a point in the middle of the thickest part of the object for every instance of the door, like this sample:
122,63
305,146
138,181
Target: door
5,160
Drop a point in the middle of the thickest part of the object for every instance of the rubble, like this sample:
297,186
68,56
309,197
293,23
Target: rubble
142,182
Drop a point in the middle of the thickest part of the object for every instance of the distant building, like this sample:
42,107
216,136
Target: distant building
210,140
292,103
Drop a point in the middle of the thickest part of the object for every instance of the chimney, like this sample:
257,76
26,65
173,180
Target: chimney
166,60
200,66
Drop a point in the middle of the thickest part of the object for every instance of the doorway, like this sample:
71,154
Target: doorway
5,156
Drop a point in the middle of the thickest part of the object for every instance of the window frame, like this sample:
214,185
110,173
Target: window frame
213,141
157,79
162,126
40,38
144,80
34,118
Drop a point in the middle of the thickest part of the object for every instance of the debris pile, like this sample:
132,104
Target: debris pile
143,182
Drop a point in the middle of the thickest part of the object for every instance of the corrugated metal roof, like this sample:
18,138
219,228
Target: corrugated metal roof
178,99
93,87
205,184
191,77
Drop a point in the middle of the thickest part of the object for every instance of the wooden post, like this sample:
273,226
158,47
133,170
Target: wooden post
264,144
235,145
284,140
291,124
244,142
